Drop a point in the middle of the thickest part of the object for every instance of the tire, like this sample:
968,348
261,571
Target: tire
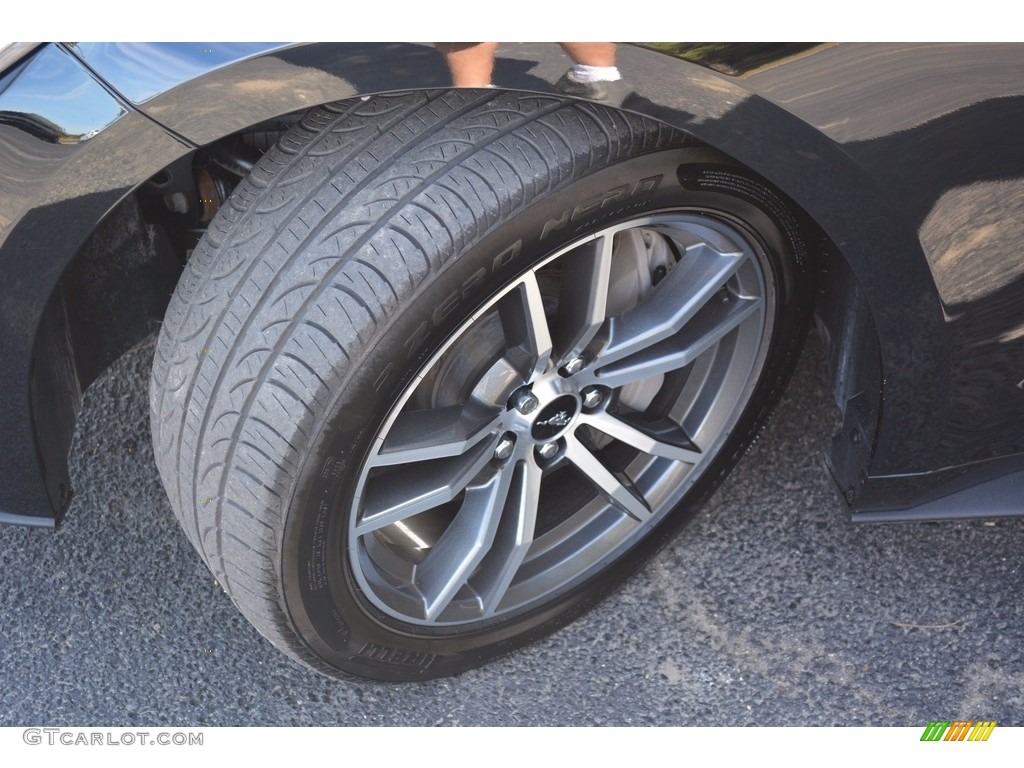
448,366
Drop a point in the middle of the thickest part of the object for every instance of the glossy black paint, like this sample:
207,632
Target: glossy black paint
944,151
906,156
58,179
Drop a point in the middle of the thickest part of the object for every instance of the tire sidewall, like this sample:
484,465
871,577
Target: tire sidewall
320,593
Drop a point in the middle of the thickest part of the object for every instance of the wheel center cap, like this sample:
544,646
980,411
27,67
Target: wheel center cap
554,418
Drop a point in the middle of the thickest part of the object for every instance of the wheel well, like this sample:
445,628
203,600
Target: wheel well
115,290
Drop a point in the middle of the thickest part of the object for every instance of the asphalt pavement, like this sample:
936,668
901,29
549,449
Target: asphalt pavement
769,609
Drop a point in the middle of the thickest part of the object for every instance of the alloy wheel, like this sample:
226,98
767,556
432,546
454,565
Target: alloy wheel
561,421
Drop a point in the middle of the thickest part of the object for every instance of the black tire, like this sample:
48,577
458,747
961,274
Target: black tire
357,249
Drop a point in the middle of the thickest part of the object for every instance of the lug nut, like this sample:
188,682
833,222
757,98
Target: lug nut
573,367
504,447
548,450
592,397
524,401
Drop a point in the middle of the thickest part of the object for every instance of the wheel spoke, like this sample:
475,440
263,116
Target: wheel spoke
435,433
709,326
582,303
402,493
464,544
514,536
526,327
672,304
618,489
663,439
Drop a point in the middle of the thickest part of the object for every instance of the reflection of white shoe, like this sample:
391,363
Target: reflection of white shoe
607,91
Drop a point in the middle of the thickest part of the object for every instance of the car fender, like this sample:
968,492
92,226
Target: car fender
171,98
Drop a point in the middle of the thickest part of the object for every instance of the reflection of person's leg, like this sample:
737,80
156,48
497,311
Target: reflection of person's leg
591,54
469,63
594,74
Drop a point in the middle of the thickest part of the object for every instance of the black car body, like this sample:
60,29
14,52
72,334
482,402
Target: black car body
904,161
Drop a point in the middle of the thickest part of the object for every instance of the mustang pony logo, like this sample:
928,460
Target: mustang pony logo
560,419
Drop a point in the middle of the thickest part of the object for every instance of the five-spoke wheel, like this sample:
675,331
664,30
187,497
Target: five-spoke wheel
469,359
563,417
